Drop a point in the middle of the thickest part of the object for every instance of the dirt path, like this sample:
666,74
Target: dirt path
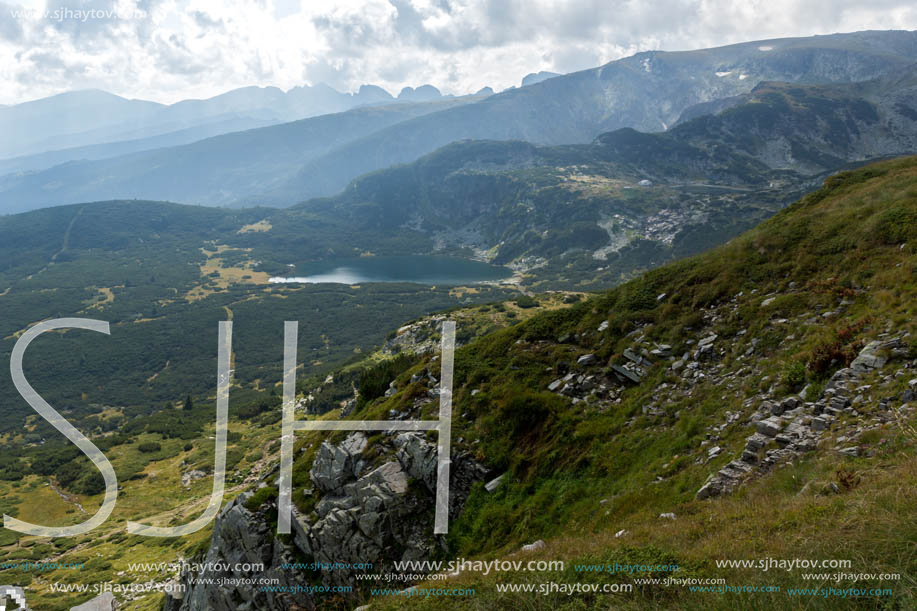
66,243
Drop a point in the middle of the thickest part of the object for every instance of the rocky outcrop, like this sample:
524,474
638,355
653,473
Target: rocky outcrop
381,516
790,428
189,477
421,337
377,510
241,537
335,465
375,518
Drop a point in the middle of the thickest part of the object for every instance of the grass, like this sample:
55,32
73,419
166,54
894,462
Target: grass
840,265
158,499
871,526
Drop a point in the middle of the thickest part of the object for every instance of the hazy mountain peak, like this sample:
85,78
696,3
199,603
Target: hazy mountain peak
424,93
78,96
537,77
373,93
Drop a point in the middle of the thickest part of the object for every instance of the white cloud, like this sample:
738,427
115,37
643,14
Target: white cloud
198,48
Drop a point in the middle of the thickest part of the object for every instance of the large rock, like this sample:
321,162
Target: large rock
302,532
336,465
241,536
625,374
366,513
869,359
769,426
418,457
708,490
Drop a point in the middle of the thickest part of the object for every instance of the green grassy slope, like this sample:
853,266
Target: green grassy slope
791,302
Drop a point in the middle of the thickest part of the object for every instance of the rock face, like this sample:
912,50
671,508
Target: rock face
418,457
368,520
242,537
334,465
379,517
370,511
869,358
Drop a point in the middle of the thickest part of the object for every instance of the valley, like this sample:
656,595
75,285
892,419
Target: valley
684,290
805,363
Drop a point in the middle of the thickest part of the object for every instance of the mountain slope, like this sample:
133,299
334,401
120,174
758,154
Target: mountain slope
813,129
213,171
40,161
589,215
783,362
29,127
647,92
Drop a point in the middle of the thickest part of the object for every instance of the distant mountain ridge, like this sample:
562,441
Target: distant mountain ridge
537,77
92,152
649,92
213,171
93,117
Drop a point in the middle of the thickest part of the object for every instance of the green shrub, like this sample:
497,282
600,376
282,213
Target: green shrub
894,226
260,497
794,376
838,351
375,380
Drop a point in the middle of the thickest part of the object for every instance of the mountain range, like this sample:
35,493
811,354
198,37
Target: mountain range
698,344
93,124
630,200
90,117
648,91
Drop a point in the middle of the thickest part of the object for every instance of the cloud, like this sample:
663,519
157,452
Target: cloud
168,50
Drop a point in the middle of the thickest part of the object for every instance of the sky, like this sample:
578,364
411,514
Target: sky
169,50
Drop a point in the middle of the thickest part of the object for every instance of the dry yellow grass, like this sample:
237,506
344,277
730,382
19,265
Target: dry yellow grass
107,296
220,277
592,184
262,226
